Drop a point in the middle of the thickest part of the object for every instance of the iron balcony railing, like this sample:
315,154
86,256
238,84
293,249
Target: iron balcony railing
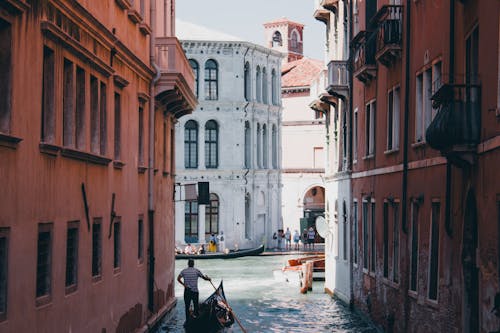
364,55
389,33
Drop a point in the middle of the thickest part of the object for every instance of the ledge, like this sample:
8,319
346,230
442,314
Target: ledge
369,157
419,144
9,141
49,148
120,81
143,97
83,156
16,6
142,169
134,16
391,151
145,29
123,4
118,164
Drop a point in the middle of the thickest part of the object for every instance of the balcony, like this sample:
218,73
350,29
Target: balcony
174,89
330,4
389,35
338,79
320,13
456,128
365,67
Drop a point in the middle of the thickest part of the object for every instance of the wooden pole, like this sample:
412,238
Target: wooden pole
230,310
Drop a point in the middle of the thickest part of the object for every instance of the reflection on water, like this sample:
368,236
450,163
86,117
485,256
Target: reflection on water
264,304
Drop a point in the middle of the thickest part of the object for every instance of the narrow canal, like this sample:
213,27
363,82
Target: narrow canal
264,304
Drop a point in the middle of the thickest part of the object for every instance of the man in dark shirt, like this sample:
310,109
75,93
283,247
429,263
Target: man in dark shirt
189,280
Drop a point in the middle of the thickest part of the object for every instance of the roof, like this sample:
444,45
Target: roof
300,73
282,20
190,31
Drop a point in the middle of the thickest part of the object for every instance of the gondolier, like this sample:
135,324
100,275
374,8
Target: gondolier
188,277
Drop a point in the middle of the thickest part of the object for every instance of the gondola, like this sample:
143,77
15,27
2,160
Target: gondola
214,314
219,255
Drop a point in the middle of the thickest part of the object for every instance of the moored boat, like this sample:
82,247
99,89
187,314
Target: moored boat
220,255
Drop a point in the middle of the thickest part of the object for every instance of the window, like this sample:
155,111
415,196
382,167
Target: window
277,40
247,145
395,242
191,144
72,256
103,123
386,239
370,129
44,260
5,75
373,244
196,72
4,264
274,147
265,146
48,96
344,137
140,239
355,231
117,246
211,80
141,134
247,82
96,248
414,247
211,144
258,79
191,221
393,106
423,109
318,158
68,104
434,251
248,225
212,216
274,87
365,234
118,111
94,115
259,147
355,137
264,86
294,38
344,230
80,108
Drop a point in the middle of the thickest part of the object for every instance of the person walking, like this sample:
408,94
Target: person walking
311,235
188,277
296,239
288,239
304,238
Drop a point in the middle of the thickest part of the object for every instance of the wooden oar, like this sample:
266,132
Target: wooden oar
230,310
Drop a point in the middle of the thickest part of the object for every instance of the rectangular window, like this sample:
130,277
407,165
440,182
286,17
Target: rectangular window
140,239
419,136
48,96
427,83
414,247
44,260
80,108
4,264
319,158
393,105
103,123
141,134
365,234
191,221
96,248
370,128
386,239
437,82
355,137
5,75
118,110
355,231
373,244
117,249
94,115
68,105
434,252
344,231
395,243
427,103
72,257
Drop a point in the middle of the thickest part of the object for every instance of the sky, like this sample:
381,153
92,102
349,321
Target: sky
245,19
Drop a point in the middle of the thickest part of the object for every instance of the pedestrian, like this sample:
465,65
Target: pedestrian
275,240
212,244
222,242
188,249
281,235
304,238
311,234
288,239
188,277
296,239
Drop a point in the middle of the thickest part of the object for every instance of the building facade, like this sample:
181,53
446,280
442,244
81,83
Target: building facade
425,251
85,120
231,141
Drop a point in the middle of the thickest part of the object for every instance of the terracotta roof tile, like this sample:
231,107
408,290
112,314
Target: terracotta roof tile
300,73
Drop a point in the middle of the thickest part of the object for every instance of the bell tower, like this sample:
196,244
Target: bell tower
285,36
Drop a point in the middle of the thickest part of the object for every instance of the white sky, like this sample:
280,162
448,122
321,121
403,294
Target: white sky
245,19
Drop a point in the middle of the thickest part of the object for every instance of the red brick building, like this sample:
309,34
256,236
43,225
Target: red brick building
86,163
425,130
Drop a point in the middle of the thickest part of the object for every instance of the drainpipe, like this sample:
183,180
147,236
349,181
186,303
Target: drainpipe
404,200
351,98
151,207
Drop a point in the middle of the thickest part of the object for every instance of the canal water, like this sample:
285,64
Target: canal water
264,304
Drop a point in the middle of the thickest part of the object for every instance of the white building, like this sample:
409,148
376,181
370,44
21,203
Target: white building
231,140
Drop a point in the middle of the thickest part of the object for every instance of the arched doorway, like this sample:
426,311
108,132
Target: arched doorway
314,206
469,266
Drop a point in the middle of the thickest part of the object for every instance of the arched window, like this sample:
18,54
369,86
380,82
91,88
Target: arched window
277,40
274,147
211,80
294,38
259,140
247,82
344,230
258,87
265,144
274,87
196,72
247,145
191,145
211,144
264,86
212,216
191,221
